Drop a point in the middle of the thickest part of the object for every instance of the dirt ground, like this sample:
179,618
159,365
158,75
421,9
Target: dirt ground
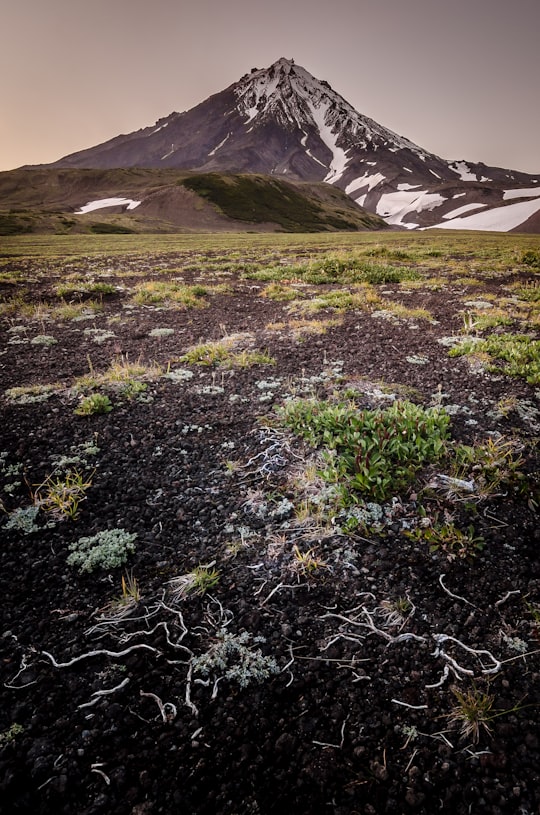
279,689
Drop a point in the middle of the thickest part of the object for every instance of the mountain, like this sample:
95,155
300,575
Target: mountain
283,122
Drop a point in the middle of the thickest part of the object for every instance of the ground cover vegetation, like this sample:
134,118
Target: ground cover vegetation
269,524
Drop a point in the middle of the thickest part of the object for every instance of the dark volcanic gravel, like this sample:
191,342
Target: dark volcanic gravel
305,709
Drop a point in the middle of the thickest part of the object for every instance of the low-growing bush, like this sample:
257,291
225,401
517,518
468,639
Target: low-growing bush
105,550
95,403
519,353
370,453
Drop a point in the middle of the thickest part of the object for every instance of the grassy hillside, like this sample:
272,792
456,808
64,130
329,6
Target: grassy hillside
258,199
45,200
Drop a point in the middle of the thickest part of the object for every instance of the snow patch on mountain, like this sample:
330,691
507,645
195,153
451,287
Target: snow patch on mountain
288,93
525,193
159,128
463,170
218,146
395,206
366,180
339,160
103,203
499,219
455,213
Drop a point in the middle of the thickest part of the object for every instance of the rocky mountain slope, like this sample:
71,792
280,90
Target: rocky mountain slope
283,121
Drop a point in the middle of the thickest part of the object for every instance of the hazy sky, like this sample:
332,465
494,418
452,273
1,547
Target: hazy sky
458,77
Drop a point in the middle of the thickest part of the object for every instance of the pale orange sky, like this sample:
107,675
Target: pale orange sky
460,78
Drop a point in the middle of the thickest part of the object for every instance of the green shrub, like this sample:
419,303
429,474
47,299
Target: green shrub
101,228
233,657
95,403
519,352
105,550
371,453
531,258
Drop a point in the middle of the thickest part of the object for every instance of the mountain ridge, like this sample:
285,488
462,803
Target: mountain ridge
283,121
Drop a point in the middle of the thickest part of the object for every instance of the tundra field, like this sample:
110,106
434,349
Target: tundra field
269,530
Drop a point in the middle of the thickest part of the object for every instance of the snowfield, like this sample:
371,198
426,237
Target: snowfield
526,193
103,203
455,213
500,219
394,206
366,180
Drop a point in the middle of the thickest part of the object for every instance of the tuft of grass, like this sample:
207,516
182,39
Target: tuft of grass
404,312
362,298
208,353
61,496
82,287
277,291
170,293
306,563
196,582
220,353
122,376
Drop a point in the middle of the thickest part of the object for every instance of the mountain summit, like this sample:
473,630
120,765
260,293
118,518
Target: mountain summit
283,121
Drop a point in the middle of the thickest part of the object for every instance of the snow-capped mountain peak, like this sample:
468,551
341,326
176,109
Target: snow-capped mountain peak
283,121
287,92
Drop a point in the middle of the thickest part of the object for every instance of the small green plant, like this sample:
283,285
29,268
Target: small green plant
531,257
519,353
232,657
94,403
447,538
306,563
534,611
133,389
494,464
472,713
43,339
23,519
11,733
196,582
61,496
105,550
